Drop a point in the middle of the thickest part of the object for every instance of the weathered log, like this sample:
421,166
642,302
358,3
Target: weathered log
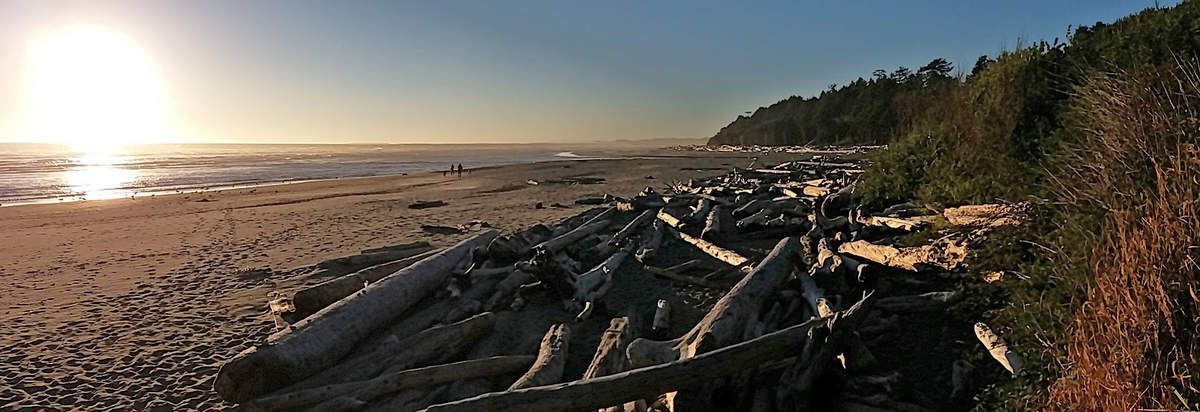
728,320
402,246
634,225
669,219
751,207
314,298
551,359
507,287
651,241
672,275
998,348
700,211
366,391
512,247
945,256
994,215
931,301
662,318
610,353
596,224
650,381
720,253
319,341
713,224
905,225
758,218
470,302
836,203
397,353
371,257
425,204
592,285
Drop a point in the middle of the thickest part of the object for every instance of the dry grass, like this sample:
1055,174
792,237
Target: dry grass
1134,343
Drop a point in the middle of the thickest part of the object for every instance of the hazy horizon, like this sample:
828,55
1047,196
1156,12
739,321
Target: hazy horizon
529,72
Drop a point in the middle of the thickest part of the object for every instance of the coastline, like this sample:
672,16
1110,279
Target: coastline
135,302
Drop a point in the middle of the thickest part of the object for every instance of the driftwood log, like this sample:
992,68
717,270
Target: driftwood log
941,255
551,359
365,391
720,253
319,341
728,320
610,353
596,224
314,298
397,353
650,381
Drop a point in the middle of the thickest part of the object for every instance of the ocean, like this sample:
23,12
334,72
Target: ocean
42,173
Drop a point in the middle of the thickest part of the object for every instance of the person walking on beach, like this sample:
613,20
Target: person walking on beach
451,170
460,170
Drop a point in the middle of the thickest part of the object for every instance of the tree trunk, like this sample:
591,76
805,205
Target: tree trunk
437,344
945,256
551,359
722,254
592,226
314,298
366,391
728,320
650,381
610,353
319,341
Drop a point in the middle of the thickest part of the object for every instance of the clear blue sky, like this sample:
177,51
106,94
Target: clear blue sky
509,71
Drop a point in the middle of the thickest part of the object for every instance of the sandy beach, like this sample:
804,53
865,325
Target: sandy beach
134,303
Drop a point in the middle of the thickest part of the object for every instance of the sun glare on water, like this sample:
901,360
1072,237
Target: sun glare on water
94,90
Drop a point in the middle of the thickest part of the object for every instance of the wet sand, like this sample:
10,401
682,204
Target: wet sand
134,303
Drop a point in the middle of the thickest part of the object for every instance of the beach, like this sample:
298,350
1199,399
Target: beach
135,303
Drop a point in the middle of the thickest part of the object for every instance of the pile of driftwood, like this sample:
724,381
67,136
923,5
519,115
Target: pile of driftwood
818,150
487,324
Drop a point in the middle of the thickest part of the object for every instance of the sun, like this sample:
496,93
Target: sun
93,88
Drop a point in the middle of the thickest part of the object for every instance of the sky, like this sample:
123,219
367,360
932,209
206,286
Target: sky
511,71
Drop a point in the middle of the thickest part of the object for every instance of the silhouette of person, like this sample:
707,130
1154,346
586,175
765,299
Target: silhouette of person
460,170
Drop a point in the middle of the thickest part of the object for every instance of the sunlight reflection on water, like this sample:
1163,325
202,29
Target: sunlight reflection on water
99,176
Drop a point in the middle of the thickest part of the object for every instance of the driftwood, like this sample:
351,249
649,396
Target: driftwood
751,207
596,224
365,391
728,320
945,256
512,247
713,223
894,223
314,298
507,287
998,348
994,215
650,381
631,228
931,301
592,285
662,317
397,353
375,256
651,241
425,204
610,353
700,211
758,218
320,340
720,253
675,276
551,359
